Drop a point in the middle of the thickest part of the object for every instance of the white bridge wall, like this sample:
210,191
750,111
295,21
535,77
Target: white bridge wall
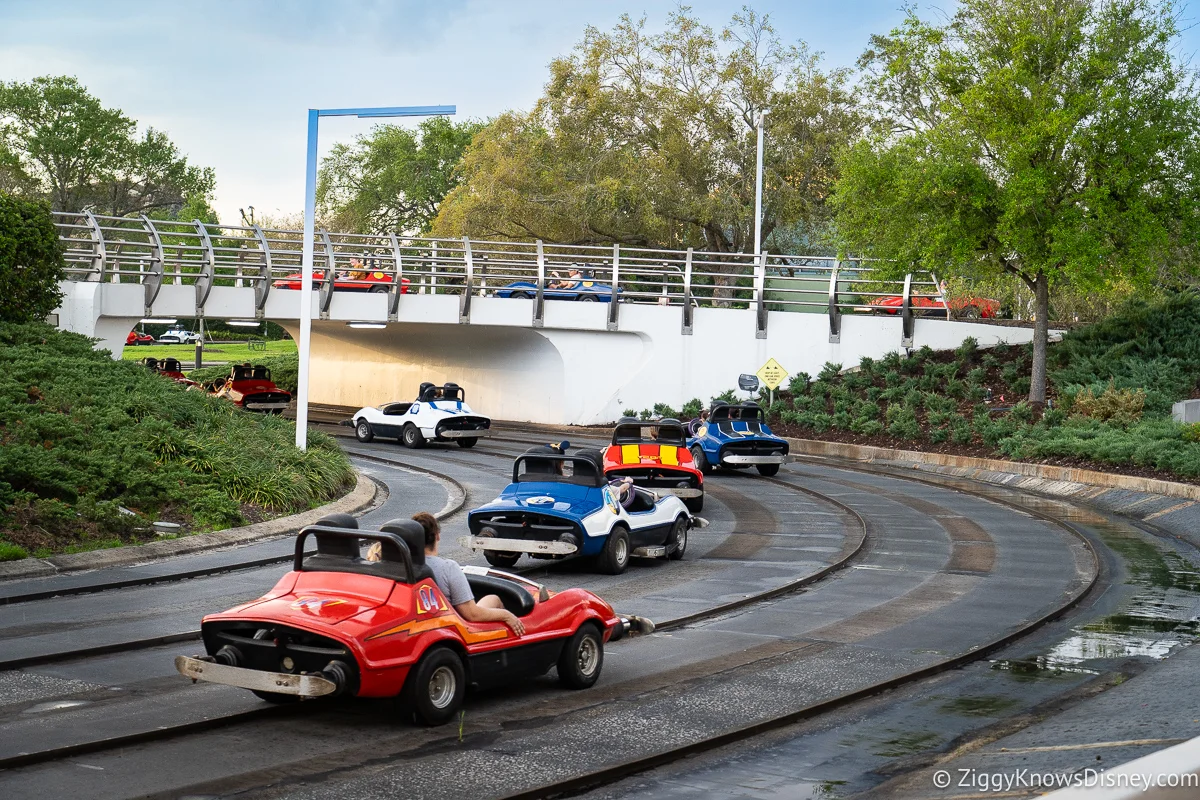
571,371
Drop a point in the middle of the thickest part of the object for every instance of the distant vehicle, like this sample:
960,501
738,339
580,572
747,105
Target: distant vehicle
560,505
169,368
135,338
251,388
656,456
932,305
439,414
587,292
338,624
737,437
180,336
362,281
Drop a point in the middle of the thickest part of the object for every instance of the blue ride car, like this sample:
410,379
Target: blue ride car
560,506
584,290
736,436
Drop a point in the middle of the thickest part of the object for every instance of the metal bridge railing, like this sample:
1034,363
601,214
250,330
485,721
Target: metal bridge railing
153,252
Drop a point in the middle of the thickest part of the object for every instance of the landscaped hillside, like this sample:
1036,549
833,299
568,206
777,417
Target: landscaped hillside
82,436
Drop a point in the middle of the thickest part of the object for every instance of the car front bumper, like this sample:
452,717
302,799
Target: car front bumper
749,460
269,406
680,492
463,434
256,680
517,545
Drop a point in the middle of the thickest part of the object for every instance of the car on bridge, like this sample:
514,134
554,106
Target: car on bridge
737,437
338,624
656,456
560,505
584,290
933,305
251,388
135,338
439,414
371,281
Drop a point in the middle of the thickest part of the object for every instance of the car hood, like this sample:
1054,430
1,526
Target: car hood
560,499
305,607
453,407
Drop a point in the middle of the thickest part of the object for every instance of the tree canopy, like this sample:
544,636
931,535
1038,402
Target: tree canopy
1053,141
650,139
31,261
60,144
393,179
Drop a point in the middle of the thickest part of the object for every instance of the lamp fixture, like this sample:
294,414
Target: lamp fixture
243,323
367,325
159,321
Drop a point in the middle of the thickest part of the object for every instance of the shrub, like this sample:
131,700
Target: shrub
977,376
868,409
871,427
902,422
798,383
866,364
727,396
967,348
629,412
891,360
692,408
955,389
939,435
829,372
1190,433
960,429
841,419
1117,406
645,414
892,378
1022,412
820,422
665,411
12,552
874,393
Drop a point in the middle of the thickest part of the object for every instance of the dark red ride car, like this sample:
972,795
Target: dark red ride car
932,305
251,388
136,338
356,281
169,368
340,625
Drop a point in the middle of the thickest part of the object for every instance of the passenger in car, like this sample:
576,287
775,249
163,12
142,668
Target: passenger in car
623,489
695,424
449,577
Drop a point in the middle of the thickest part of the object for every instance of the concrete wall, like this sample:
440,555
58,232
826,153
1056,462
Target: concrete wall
571,371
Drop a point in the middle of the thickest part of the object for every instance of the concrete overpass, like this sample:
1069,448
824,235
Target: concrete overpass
686,324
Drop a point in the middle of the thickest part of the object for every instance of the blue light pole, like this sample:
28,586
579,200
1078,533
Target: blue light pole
310,212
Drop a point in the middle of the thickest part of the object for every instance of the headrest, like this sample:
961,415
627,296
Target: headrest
669,421
413,535
629,421
339,521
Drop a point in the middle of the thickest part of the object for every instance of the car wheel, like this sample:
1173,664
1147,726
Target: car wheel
587,298
501,560
582,658
694,504
468,441
769,470
276,697
701,460
378,290
614,558
411,436
679,537
521,295
435,689
363,432
971,312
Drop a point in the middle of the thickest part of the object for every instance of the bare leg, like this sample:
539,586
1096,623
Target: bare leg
490,601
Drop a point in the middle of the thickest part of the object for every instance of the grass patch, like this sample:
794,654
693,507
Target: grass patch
213,351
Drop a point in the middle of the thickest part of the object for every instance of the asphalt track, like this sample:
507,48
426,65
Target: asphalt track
933,576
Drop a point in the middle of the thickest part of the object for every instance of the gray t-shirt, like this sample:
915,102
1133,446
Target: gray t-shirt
449,577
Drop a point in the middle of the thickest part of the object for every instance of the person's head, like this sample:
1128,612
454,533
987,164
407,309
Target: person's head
355,263
704,413
433,531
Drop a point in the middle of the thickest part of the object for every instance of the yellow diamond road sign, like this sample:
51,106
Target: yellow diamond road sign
772,374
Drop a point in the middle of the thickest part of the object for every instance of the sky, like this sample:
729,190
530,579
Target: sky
230,82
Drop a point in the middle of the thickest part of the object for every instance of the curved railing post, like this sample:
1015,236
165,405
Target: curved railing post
326,296
539,300
614,307
263,285
152,280
835,312
906,315
760,296
686,329
208,270
464,302
397,284
99,251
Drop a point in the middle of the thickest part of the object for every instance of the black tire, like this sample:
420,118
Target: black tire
501,560
587,298
679,536
378,290
522,295
701,460
768,470
614,558
363,432
412,437
582,658
468,441
276,698
971,312
435,689
694,504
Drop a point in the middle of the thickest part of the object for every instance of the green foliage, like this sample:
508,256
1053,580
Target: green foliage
967,348
691,409
798,383
902,422
84,434
1117,406
665,411
829,372
629,412
866,364
728,396
1190,433
645,414
12,552
939,435
31,262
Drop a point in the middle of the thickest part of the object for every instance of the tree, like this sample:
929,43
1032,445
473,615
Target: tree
59,143
31,261
1051,141
651,140
393,179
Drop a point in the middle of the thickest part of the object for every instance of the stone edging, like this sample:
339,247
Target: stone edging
364,494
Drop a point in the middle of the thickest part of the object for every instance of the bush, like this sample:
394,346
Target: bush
691,409
939,435
645,414
798,383
664,411
871,427
629,412
1190,433
829,372
1118,406
12,552
31,261
902,422
727,396
967,348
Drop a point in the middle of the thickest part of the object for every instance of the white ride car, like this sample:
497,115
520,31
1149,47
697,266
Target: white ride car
439,414
179,336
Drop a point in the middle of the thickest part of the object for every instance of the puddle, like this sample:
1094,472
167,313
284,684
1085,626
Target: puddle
906,744
55,705
1038,668
987,705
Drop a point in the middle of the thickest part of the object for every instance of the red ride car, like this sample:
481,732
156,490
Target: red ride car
932,305
354,281
136,338
340,625
169,368
656,456
251,388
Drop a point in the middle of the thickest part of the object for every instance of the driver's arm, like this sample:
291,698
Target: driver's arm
473,612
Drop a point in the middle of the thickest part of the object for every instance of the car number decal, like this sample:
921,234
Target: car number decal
543,500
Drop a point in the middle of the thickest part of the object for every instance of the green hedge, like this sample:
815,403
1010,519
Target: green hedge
31,262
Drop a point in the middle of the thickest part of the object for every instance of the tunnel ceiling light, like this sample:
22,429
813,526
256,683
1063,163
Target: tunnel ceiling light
159,321
369,325
243,323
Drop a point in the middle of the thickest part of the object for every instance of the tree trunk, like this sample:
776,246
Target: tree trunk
1041,335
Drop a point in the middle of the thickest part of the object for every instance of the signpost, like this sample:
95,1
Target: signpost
772,374
748,383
